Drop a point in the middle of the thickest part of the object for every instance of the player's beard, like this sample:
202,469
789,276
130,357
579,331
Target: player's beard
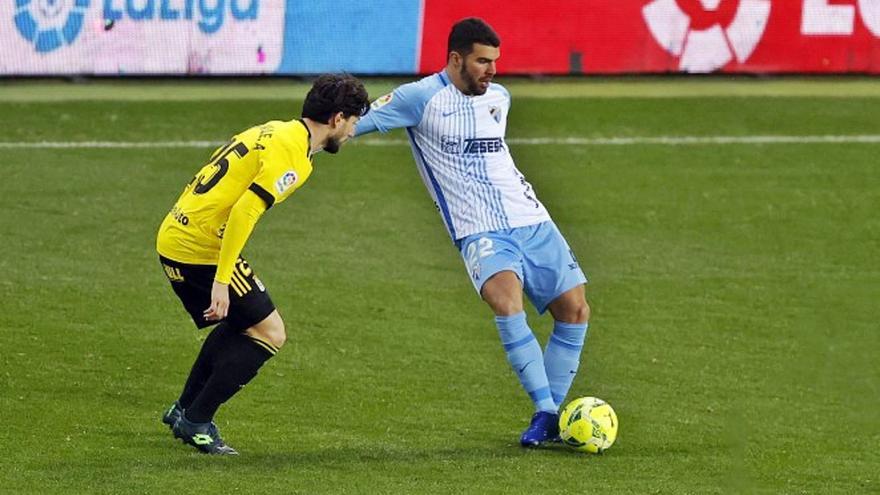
473,86
332,145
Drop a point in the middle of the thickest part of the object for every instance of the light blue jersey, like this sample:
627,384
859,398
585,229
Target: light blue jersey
463,159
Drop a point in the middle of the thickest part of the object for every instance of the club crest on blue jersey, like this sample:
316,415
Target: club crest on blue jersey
286,181
495,112
450,144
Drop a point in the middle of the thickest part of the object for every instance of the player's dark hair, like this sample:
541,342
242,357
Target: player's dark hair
333,93
468,31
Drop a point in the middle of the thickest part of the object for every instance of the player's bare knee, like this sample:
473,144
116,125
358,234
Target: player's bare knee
277,334
271,330
503,293
574,310
502,303
583,312
577,312
505,306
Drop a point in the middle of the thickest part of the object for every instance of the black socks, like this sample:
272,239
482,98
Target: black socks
227,362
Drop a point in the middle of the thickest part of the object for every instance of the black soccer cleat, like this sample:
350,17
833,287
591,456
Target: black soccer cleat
203,436
172,415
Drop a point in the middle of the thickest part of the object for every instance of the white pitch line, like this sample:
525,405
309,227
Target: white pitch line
576,141
697,140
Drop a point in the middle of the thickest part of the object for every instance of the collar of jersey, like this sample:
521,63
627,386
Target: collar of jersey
444,77
308,140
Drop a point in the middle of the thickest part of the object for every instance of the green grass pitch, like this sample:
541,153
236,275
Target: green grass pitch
734,290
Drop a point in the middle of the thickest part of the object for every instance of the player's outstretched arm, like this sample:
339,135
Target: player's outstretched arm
403,107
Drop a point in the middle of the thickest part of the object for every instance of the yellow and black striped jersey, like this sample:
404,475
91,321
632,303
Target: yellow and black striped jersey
270,160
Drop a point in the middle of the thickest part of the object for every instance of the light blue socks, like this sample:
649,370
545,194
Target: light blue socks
525,357
562,357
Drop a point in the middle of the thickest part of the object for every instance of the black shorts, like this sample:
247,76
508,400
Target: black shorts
249,302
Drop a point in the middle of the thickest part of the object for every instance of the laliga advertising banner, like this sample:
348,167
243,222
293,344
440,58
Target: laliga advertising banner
129,37
654,36
122,37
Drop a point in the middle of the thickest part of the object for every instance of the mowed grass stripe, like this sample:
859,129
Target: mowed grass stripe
547,88
577,141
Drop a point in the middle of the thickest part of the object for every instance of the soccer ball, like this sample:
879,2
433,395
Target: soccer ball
588,424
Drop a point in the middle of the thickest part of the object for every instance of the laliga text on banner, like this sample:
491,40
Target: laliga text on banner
210,15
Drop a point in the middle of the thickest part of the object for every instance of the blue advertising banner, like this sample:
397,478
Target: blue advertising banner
376,37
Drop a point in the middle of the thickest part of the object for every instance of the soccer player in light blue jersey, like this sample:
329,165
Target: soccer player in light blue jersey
456,121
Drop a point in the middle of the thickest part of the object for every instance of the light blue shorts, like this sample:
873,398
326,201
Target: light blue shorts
538,254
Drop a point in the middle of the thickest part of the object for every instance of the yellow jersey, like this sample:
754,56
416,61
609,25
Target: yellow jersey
257,169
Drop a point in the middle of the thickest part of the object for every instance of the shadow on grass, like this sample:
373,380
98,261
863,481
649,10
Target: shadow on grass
311,456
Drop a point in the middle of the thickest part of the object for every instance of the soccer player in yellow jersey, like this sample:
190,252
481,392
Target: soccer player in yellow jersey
201,239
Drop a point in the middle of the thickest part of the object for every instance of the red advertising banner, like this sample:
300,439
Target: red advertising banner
657,36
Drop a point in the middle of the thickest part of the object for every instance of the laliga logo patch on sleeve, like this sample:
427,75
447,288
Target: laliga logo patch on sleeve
382,101
286,181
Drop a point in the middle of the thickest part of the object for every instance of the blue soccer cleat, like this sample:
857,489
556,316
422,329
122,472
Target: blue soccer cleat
543,428
172,415
203,436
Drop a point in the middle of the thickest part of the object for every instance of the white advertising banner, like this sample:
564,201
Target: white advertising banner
141,37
